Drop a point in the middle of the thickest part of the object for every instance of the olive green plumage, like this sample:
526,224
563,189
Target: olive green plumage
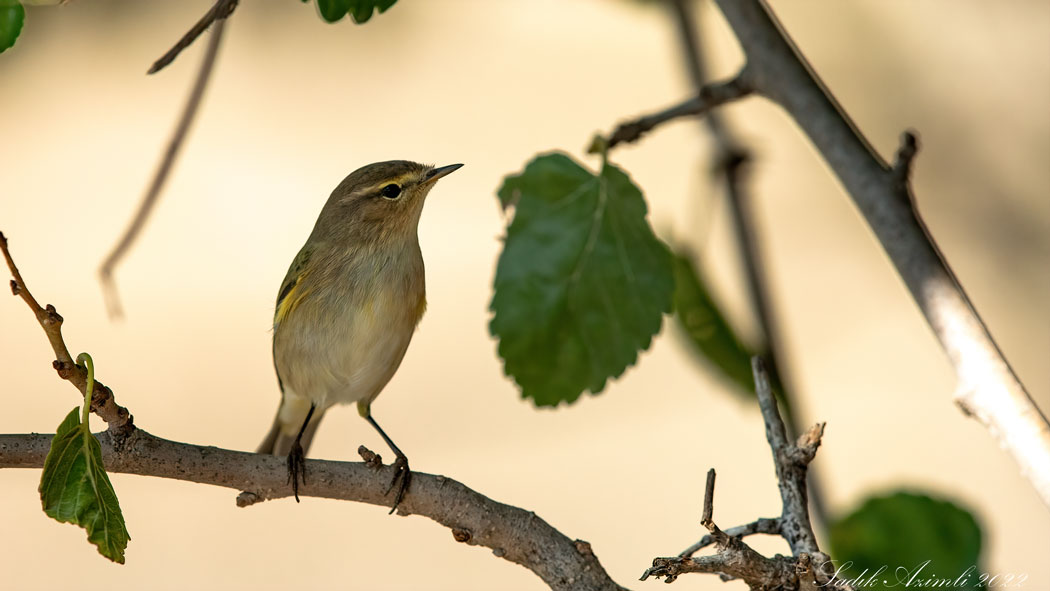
349,304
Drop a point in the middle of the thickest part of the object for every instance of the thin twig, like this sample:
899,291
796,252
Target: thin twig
105,271
709,97
764,525
733,160
988,388
217,14
512,533
102,402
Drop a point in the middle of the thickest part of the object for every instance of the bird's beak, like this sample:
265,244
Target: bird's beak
437,173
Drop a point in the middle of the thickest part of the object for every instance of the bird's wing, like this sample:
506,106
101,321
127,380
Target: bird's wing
289,296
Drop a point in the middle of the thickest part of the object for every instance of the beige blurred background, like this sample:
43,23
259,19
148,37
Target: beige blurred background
296,104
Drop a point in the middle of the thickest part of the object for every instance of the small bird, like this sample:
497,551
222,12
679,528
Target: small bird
348,307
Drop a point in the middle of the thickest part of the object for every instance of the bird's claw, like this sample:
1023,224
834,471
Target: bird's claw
402,476
296,468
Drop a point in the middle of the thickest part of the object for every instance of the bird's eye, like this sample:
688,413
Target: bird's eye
390,191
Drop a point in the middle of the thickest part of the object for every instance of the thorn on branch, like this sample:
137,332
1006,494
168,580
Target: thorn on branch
905,156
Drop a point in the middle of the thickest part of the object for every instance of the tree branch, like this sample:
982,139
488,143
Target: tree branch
808,567
988,388
217,14
105,271
102,402
731,162
709,97
512,533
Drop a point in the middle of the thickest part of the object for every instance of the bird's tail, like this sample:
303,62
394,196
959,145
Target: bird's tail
279,440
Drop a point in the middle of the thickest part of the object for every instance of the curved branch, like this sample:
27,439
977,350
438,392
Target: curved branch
105,270
988,388
513,534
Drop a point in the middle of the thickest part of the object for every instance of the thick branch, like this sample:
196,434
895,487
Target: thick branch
512,533
709,97
102,403
105,271
988,388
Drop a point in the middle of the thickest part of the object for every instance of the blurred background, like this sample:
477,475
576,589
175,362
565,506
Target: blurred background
295,104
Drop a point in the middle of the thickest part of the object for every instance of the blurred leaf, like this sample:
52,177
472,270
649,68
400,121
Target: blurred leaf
710,334
11,19
912,535
74,486
363,9
360,10
333,10
582,283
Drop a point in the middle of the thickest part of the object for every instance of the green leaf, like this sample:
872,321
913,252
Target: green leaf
706,327
11,20
363,9
74,486
582,283
360,10
902,531
333,10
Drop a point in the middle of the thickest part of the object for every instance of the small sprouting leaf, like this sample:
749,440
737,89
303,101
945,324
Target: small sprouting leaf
582,284
712,337
11,19
74,486
912,535
359,10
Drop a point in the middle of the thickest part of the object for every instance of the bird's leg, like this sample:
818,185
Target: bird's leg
402,474
297,459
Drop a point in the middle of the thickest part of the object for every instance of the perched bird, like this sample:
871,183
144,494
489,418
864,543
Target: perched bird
348,307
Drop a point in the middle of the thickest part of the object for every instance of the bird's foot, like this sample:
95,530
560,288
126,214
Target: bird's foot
296,468
402,476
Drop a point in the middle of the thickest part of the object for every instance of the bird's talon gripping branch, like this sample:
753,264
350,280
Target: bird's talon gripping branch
403,474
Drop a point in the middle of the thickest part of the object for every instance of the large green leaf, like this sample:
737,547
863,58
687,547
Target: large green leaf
582,283
360,10
911,537
12,16
74,486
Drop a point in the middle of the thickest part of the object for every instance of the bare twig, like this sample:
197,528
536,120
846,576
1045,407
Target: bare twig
732,160
217,14
988,388
102,403
105,271
709,97
808,567
513,534
764,525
